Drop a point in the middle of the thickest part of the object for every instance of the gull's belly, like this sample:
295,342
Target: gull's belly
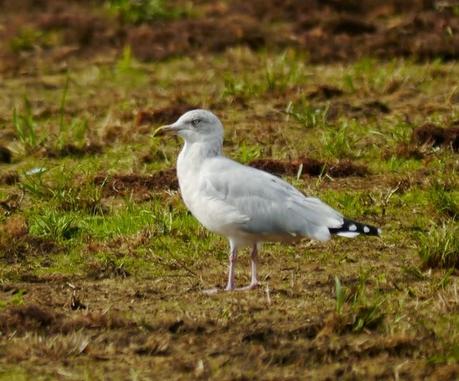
224,221
212,214
210,217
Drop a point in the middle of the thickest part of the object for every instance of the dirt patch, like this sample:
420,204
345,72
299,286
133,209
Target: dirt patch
9,178
141,186
433,135
446,372
5,155
348,321
26,318
348,25
311,167
371,346
17,245
421,32
23,248
188,36
73,150
407,151
163,115
106,269
325,92
366,109
93,320
12,203
423,138
35,317
16,226
330,31
153,347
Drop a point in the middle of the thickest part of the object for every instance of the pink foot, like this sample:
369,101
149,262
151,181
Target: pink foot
251,286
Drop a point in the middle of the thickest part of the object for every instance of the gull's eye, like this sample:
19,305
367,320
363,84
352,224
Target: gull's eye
195,122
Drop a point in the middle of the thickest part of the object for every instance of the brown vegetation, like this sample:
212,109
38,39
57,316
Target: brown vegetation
140,185
431,134
328,31
311,167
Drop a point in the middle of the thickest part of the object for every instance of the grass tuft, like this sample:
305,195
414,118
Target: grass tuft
308,115
340,142
55,225
30,38
26,127
445,201
354,310
440,246
136,12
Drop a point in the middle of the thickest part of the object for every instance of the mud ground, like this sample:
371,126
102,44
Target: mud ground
166,327
325,31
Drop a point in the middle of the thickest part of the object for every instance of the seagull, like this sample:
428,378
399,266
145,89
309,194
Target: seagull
244,204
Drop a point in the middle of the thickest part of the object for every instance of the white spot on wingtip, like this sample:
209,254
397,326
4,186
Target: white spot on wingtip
366,229
352,228
348,234
379,231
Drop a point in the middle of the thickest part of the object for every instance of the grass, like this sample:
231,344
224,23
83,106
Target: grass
354,310
28,39
247,153
307,115
54,225
26,127
338,142
440,246
138,253
70,132
444,200
16,299
136,12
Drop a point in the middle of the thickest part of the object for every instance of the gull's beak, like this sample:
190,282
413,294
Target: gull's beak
170,129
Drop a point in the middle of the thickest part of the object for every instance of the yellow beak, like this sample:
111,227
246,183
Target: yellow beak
164,130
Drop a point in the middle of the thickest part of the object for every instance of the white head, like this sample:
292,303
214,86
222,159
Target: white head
196,126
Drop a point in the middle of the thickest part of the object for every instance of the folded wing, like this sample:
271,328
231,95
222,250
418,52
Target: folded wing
270,206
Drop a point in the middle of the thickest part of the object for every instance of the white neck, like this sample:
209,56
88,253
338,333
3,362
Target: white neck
189,163
193,154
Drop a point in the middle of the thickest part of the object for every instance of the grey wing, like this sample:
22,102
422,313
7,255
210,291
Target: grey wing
273,207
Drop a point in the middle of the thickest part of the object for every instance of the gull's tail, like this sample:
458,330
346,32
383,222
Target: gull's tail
351,229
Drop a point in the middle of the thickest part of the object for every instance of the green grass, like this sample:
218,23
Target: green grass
445,201
136,12
307,115
29,38
440,246
26,127
355,310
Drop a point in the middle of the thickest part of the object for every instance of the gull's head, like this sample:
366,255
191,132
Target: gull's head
195,126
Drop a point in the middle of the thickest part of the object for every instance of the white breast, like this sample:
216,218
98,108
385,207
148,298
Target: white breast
212,212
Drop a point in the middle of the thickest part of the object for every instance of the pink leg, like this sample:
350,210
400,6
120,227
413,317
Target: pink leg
232,268
254,281
254,260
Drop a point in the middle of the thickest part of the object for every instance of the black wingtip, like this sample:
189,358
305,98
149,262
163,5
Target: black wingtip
350,226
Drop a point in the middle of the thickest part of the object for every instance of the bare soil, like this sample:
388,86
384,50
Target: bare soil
141,186
327,31
311,167
431,134
292,329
